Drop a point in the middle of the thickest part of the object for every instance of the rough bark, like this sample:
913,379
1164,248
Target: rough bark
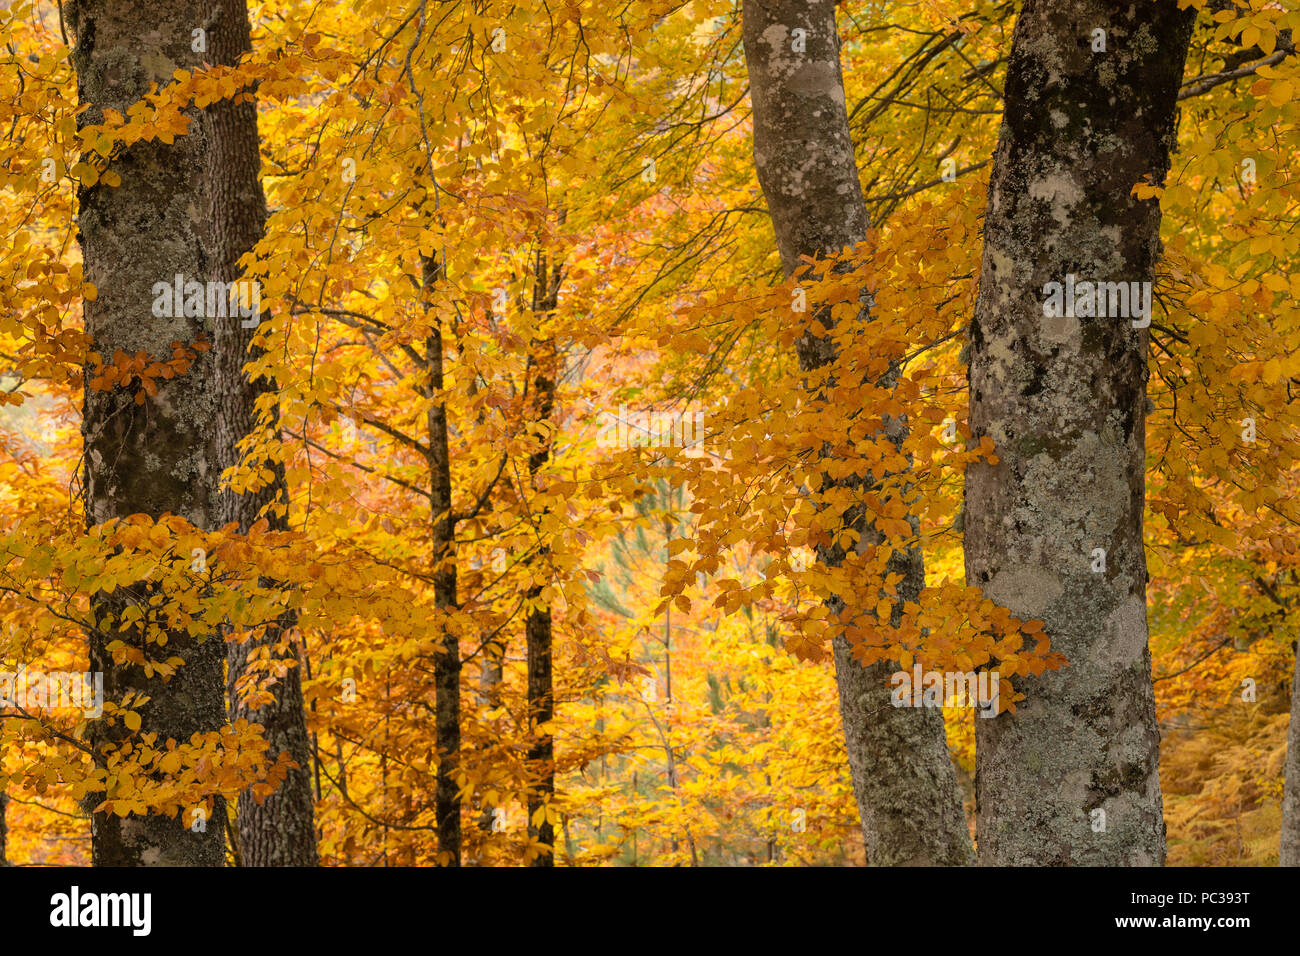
442,553
147,458
1063,398
280,831
1290,844
541,699
903,778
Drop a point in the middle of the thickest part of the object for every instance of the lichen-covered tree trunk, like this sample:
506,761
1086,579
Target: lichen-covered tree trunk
281,830
903,778
1054,529
1290,845
148,458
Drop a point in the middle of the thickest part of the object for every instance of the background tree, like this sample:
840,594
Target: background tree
547,368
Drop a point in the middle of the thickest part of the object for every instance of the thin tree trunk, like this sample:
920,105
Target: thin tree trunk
541,695
489,698
281,830
491,674
446,666
908,800
1290,845
4,829
147,458
1054,529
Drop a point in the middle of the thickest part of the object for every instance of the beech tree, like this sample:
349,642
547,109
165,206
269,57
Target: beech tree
278,830
1289,854
903,777
1053,529
147,453
547,365
443,568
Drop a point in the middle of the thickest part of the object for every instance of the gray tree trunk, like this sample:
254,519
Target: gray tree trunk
1290,845
903,778
488,697
1072,777
147,458
281,830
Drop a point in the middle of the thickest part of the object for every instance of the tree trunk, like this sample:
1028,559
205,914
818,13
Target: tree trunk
446,664
492,658
541,700
4,829
906,789
541,710
1290,847
489,698
147,458
281,830
1054,529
